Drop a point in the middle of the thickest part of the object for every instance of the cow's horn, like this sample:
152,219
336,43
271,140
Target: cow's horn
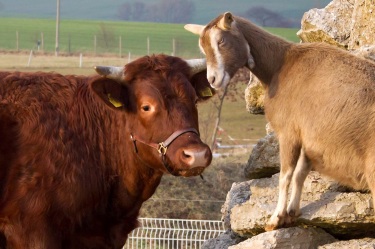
197,65
116,73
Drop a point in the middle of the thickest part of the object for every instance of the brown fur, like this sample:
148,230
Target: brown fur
69,176
320,100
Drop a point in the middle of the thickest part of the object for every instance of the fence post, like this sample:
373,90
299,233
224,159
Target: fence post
94,44
129,56
80,60
17,42
42,41
120,45
30,57
173,47
69,44
148,45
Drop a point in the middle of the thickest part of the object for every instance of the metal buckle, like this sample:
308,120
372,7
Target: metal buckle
162,149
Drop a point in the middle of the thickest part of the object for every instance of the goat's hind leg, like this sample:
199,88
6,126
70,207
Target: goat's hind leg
289,154
370,176
299,176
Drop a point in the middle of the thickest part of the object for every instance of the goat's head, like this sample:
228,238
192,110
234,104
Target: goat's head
225,47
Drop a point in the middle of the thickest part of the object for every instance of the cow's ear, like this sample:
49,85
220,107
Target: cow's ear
111,92
202,86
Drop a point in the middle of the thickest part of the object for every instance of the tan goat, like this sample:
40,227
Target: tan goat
320,100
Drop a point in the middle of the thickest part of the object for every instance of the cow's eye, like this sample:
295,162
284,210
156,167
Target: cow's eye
221,41
146,108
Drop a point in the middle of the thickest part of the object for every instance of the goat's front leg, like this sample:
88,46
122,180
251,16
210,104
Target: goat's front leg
289,153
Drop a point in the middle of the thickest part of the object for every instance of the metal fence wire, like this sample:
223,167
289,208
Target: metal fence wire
158,233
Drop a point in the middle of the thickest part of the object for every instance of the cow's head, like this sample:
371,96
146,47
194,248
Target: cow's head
225,47
159,95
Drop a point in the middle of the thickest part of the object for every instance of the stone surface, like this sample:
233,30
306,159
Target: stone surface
264,160
331,24
366,243
344,215
254,96
223,241
293,238
367,52
363,24
238,194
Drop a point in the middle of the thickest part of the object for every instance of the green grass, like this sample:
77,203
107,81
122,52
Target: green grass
77,36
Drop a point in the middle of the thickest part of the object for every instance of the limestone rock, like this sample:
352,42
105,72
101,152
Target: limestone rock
367,52
366,243
294,238
238,194
344,215
363,24
264,160
223,241
254,96
331,24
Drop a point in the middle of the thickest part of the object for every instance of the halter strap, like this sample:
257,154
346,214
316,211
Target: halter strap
162,147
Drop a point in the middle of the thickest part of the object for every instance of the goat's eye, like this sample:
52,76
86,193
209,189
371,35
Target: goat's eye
221,41
146,108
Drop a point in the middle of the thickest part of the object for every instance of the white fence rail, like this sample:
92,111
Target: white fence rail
157,233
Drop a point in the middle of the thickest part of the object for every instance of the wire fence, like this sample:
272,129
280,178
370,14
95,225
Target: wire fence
158,233
120,45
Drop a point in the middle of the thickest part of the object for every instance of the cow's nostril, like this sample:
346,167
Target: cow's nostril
186,154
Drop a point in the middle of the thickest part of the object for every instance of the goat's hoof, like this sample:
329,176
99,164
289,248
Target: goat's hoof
270,227
294,213
274,223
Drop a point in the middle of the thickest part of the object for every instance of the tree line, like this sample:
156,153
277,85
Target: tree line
181,11
167,11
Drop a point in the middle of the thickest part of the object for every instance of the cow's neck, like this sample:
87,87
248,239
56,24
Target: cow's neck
143,179
268,50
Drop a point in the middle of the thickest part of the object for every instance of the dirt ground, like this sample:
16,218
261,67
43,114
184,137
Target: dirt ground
38,61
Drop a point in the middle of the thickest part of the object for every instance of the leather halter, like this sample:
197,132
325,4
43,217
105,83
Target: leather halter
162,147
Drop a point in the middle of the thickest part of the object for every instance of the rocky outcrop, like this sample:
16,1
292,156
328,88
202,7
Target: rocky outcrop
348,24
264,160
331,24
223,241
324,204
309,238
254,95
363,24
366,243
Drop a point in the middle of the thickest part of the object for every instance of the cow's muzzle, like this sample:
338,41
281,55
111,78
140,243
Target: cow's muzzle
162,149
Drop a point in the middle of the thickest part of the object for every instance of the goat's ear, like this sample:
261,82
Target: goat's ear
111,92
195,28
201,85
225,22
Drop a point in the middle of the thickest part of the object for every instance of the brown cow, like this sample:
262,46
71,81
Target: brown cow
74,169
320,100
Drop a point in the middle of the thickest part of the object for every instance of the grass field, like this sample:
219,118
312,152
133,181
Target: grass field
78,36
